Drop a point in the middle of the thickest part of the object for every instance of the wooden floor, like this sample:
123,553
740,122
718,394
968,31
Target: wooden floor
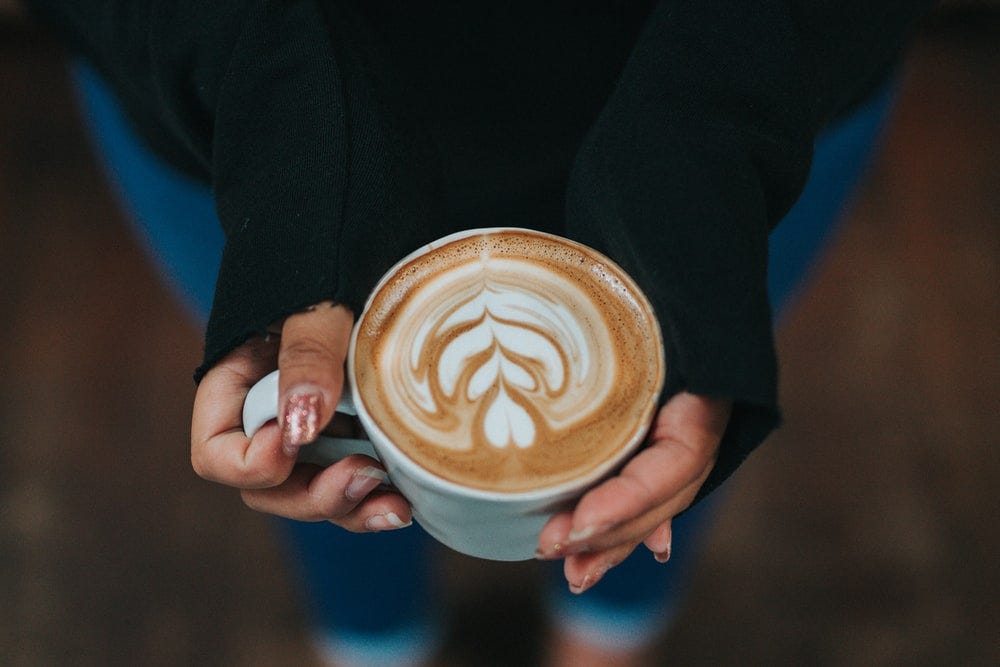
864,533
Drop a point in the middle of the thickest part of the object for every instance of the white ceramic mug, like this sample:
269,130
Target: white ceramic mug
491,525
487,524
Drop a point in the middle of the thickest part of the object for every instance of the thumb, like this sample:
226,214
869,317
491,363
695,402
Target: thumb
311,360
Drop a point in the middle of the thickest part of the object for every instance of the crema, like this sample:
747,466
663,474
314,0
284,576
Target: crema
509,361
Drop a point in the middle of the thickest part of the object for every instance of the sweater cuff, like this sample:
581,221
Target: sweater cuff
321,186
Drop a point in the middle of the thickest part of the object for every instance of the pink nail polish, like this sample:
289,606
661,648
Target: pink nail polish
301,421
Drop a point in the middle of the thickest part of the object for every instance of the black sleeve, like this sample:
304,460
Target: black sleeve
320,185
701,149
271,102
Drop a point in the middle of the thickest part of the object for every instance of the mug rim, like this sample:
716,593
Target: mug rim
551,492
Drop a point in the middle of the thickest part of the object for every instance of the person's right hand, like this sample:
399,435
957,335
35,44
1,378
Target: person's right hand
310,353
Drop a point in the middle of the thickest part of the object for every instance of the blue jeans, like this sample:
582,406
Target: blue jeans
376,591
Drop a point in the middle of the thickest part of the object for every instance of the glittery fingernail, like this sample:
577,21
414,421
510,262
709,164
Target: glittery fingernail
301,421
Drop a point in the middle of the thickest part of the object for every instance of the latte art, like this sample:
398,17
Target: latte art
510,361
500,360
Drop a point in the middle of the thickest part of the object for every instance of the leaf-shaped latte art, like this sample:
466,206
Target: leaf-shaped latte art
508,360
507,422
505,353
489,374
517,355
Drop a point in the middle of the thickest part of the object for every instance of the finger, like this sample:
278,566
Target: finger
584,570
555,541
654,486
659,541
685,441
651,479
552,540
218,401
220,451
640,527
647,492
234,460
350,494
311,359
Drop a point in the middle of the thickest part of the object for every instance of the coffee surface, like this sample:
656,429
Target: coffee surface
509,361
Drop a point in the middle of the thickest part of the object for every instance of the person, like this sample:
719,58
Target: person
327,139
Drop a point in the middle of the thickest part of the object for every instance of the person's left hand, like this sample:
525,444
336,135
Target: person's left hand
636,506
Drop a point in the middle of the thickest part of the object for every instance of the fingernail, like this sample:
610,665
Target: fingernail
588,581
387,521
662,556
301,422
364,481
555,552
582,534
587,532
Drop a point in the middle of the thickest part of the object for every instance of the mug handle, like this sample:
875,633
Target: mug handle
261,406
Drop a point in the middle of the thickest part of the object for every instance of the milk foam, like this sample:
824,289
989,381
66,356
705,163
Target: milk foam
492,351
509,361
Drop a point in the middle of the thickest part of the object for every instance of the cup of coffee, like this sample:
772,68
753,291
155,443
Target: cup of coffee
498,373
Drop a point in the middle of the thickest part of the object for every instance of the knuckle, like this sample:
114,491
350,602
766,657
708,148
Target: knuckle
259,476
304,352
200,462
250,472
327,508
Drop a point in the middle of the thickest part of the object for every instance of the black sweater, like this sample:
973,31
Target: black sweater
340,135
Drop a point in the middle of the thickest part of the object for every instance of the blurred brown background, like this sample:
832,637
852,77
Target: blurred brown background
865,532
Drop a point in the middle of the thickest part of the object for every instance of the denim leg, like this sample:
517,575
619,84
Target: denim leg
372,596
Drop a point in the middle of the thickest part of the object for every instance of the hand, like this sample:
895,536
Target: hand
636,506
310,354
